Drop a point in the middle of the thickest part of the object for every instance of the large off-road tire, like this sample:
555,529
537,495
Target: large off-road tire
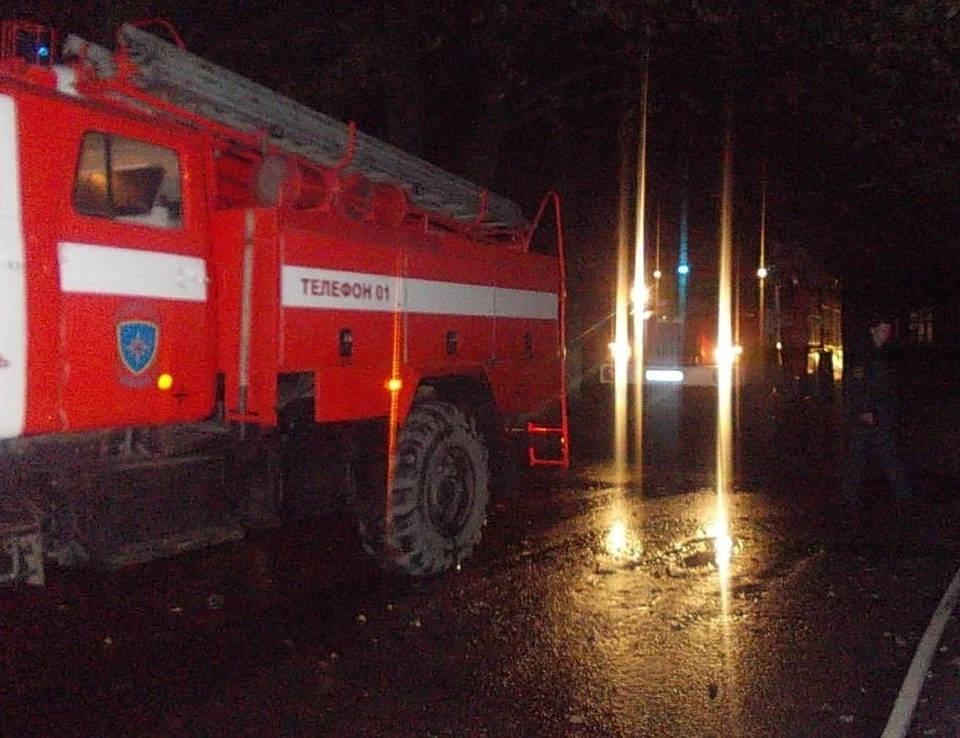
439,490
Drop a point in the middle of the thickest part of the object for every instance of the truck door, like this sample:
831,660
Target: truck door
136,331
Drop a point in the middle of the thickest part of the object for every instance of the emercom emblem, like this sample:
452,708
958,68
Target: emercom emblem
137,342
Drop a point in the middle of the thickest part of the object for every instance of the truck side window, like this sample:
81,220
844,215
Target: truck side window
128,180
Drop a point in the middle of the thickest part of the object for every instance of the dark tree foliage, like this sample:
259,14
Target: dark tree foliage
858,104
848,109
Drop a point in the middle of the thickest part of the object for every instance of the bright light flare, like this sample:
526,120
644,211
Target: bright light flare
726,355
727,352
640,294
722,542
620,542
620,351
616,542
762,272
393,386
723,547
669,376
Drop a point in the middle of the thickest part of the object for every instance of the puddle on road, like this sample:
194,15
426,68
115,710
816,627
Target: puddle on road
692,557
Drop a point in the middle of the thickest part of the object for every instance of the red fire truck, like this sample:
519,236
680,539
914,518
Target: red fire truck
221,309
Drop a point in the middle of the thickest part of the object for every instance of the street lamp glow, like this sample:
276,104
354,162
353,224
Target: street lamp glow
762,272
683,269
657,274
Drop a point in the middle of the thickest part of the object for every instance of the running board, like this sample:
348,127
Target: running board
171,545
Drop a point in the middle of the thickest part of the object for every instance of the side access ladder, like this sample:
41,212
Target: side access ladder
549,444
560,448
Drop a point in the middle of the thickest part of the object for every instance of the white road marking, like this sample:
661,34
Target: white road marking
903,708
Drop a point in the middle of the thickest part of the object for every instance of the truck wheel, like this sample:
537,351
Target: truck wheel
439,491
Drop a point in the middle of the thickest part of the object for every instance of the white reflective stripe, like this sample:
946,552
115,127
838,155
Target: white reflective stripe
13,305
448,298
328,289
111,270
526,304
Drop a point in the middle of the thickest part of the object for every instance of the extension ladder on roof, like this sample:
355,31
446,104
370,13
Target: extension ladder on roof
205,89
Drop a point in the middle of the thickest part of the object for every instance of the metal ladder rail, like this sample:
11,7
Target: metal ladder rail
562,431
204,88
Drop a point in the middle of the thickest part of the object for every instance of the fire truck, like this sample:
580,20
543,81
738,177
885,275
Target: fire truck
222,310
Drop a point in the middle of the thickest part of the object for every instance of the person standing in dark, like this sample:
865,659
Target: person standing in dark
871,396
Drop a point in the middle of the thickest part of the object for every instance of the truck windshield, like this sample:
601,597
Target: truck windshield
128,180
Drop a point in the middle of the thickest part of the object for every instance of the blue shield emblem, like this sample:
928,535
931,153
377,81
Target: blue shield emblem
137,342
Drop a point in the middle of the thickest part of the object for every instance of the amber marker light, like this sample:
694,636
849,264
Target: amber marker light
394,384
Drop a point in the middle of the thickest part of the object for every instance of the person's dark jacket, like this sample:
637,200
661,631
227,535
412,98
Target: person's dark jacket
870,386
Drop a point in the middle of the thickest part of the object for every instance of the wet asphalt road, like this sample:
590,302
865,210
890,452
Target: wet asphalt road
547,632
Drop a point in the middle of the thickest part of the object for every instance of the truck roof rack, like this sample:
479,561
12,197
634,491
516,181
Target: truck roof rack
215,93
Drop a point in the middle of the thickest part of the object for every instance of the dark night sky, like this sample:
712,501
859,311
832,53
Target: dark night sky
849,111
